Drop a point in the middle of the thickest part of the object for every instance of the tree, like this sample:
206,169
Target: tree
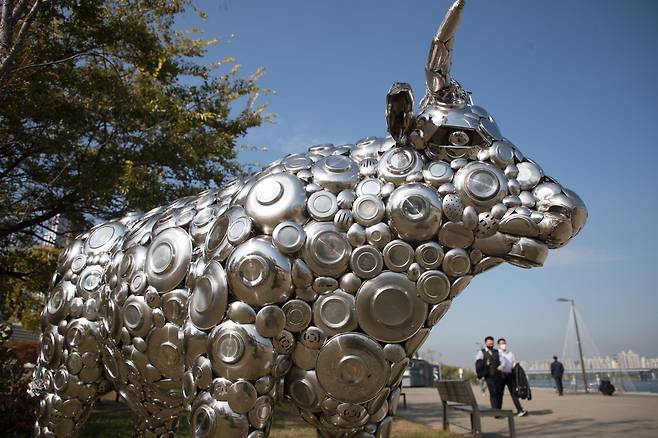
15,21
108,110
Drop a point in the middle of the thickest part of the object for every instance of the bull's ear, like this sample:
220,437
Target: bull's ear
399,111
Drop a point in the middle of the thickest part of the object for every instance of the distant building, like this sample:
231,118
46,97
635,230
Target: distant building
53,232
622,360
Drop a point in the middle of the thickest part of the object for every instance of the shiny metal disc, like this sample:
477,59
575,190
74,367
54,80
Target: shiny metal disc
104,237
276,198
303,388
296,162
437,173
168,258
437,312
137,316
201,224
237,351
322,205
336,173
165,350
288,237
366,261
326,250
398,255
433,286
59,301
89,283
298,315
174,305
335,313
456,263
389,309
459,285
368,210
414,211
239,230
456,235
529,175
429,255
480,184
352,368
67,254
258,273
209,297
132,261
369,186
398,163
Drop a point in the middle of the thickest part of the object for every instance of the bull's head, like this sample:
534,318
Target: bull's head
499,204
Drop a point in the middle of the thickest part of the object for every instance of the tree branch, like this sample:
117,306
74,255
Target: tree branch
7,60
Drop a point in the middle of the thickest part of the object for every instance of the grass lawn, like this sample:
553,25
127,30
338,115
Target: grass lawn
114,420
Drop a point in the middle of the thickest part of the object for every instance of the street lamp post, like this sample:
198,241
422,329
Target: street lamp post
580,348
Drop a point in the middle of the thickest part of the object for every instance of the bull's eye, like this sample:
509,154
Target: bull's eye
459,138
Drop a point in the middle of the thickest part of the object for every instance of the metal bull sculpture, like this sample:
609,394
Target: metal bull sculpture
315,280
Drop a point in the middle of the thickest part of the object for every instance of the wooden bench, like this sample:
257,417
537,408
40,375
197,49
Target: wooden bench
458,395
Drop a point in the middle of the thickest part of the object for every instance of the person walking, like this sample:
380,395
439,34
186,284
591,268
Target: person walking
507,363
487,363
557,371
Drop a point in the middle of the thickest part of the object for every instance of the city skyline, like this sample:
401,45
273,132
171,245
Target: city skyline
620,361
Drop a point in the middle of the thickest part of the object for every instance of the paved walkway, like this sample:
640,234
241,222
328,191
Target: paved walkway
573,415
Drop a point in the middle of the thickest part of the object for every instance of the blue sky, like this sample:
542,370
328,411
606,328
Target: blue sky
572,83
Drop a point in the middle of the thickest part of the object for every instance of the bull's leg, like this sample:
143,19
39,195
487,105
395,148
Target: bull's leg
146,429
69,376
231,410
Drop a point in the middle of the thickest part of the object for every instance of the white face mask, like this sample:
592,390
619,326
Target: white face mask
502,346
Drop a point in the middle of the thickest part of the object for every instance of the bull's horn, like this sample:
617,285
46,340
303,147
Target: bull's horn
439,60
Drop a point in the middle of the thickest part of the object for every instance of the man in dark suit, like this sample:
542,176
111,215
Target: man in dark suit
487,361
557,371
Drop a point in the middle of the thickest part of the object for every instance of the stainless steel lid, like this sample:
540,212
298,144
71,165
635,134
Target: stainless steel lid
414,211
388,307
352,368
298,315
258,273
90,281
529,175
59,301
303,388
209,297
456,235
335,313
237,351
480,184
276,198
104,237
322,205
366,261
433,286
429,255
437,173
456,263
288,237
165,350
270,321
368,210
369,186
398,255
437,312
137,316
398,163
326,250
168,259
336,173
